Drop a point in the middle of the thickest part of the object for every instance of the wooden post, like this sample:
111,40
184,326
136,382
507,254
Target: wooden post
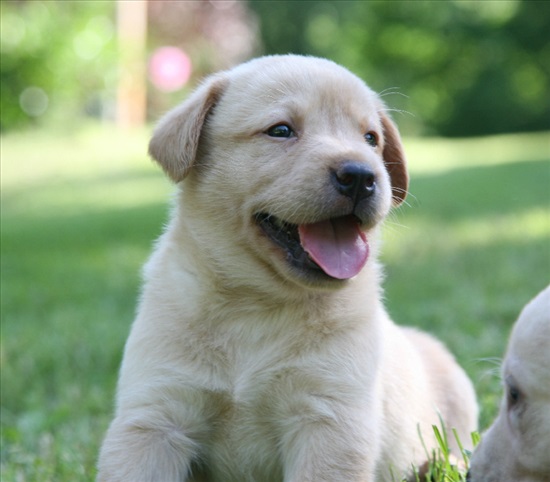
132,83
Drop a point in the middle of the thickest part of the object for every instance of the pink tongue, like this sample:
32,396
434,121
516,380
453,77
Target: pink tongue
338,246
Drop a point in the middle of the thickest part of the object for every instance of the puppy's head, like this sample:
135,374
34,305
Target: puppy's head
516,446
287,161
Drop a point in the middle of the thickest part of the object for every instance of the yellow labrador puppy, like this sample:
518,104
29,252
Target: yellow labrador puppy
261,350
516,448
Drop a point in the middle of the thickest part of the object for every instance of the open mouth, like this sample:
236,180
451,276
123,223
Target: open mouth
334,247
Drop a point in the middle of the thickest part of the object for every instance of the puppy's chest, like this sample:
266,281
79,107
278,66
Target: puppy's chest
233,352
244,445
251,403
262,402
261,383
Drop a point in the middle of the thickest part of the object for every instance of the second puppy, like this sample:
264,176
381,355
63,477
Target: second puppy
516,448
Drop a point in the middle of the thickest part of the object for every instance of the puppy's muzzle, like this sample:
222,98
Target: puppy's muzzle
355,181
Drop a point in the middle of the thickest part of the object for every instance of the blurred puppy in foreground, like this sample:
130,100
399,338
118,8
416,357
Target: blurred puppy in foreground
516,448
261,350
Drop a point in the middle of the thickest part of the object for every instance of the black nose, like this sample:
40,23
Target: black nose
354,180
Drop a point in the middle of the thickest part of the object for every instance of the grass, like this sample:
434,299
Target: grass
80,211
443,465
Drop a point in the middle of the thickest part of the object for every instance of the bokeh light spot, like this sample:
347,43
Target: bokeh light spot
169,69
34,101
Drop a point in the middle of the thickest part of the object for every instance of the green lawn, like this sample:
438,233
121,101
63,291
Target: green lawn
80,211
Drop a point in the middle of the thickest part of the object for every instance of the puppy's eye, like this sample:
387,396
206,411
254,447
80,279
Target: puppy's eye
514,395
371,138
280,130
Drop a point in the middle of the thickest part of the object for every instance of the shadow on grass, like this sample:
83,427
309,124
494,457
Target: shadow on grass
474,192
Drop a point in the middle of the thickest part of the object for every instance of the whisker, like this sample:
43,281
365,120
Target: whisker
392,91
494,370
407,195
399,111
394,226
495,361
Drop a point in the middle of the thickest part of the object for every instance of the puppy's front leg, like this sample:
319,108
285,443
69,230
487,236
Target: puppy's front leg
330,451
146,449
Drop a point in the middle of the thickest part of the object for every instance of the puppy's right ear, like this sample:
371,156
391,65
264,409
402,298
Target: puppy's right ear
176,138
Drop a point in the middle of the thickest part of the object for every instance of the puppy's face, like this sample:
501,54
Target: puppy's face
516,446
290,164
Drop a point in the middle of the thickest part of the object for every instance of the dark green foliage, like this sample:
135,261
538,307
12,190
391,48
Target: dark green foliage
464,68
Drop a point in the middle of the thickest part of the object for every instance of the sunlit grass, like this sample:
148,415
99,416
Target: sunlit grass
440,155
35,156
90,170
80,211
533,224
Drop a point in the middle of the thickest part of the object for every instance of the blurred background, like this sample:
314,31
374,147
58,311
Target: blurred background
461,68
82,83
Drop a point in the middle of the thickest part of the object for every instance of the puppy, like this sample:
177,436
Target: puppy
516,448
261,350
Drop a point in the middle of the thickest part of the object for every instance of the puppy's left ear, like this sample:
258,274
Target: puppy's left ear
395,161
176,138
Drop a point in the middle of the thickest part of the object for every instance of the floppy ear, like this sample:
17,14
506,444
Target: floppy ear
395,161
176,138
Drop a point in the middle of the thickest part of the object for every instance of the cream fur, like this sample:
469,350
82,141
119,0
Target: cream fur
516,448
239,367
